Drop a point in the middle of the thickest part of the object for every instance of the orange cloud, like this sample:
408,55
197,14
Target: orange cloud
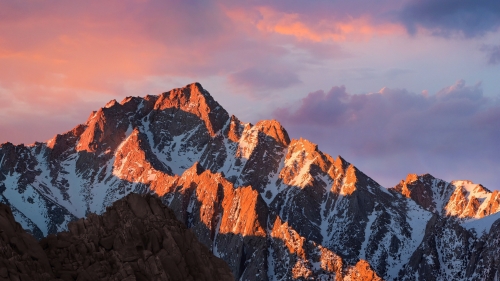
317,30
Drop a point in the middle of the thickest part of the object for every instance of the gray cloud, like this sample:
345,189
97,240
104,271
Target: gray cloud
451,17
493,53
453,133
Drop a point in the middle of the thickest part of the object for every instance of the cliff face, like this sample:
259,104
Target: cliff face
137,238
271,207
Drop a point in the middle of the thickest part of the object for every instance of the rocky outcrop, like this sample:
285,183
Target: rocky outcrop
427,191
361,272
21,257
461,199
137,238
471,200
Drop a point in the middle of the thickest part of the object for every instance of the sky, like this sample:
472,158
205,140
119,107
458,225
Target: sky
394,87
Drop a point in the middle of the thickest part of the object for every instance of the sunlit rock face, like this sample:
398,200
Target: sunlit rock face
272,208
461,199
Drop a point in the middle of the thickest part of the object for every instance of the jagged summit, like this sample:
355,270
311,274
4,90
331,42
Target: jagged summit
460,199
426,190
195,100
271,207
273,129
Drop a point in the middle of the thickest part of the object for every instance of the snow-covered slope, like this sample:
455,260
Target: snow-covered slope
271,207
466,219
482,225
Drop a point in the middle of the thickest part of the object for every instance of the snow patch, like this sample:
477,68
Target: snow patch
30,202
368,232
482,225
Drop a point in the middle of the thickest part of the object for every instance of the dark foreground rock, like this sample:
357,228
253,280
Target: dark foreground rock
137,238
21,257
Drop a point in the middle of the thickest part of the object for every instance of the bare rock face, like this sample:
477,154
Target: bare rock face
427,191
471,200
137,238
461,199
361,271
307,260
21,257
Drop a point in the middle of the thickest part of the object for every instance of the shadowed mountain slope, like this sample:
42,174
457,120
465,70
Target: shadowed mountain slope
137,238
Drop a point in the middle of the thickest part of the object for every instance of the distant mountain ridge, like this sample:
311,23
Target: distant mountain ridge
271,207
461,199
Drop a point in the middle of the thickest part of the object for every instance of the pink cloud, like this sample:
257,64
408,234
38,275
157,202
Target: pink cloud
315,27
56,56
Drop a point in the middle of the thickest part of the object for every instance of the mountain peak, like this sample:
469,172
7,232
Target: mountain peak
195,100
470,186
411,178
111,103
427,191
274,129
304,144
235,129
461,199
340,163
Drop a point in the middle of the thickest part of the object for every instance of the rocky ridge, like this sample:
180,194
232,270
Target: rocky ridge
271,207
137,238
461,199
465,221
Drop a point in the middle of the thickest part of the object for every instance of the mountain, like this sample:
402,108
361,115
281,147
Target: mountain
460,199
461,243
137,238
271,207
